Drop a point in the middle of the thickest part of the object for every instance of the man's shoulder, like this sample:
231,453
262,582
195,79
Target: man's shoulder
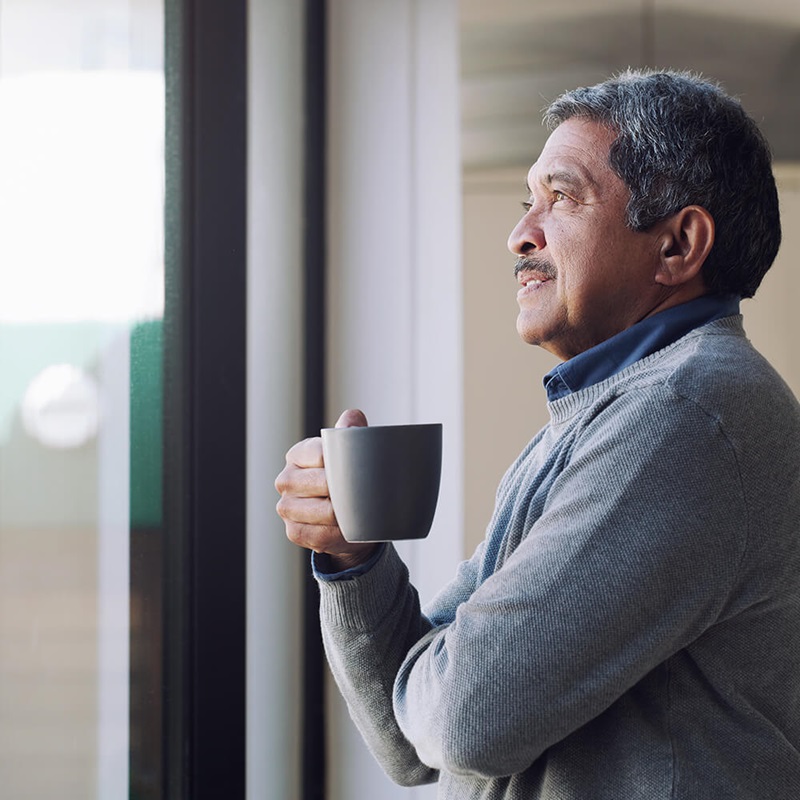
714,370
717,370
718,362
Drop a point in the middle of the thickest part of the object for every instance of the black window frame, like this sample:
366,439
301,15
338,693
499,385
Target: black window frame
205,536
190,571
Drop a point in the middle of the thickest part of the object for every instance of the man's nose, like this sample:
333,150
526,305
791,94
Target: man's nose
527,235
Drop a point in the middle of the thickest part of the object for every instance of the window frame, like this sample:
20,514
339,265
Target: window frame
204,567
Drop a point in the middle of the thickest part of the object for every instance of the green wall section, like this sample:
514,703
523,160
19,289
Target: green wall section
147,391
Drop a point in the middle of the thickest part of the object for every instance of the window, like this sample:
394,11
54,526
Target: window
81,270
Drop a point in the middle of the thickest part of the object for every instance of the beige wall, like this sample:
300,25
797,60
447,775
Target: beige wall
504,403
772,317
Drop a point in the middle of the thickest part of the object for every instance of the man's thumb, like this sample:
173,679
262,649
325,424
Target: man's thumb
352,418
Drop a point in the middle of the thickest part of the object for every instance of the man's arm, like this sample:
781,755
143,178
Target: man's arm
632,559
370,620
368,626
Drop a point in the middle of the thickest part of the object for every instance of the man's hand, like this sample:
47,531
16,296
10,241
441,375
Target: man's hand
305,505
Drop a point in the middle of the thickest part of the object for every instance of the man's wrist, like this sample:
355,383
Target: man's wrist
339,562
324,568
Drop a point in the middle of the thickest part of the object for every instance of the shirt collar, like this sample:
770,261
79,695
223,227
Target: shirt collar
640,340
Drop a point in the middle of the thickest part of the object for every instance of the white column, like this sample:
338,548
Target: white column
274,394
395,271
113,570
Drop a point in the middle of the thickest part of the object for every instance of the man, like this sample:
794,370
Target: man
630,626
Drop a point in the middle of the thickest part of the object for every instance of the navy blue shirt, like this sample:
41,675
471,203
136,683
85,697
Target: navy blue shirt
640,340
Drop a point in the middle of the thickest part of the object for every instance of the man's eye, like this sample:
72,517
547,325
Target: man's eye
526,205
559,195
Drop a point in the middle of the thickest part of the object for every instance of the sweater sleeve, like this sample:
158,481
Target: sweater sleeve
631,559
369,624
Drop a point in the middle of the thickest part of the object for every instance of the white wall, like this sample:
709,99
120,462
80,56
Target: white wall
394,337
275,568
395,278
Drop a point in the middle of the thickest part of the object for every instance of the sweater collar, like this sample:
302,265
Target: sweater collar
642,339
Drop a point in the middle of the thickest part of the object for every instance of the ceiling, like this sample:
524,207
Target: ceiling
517,55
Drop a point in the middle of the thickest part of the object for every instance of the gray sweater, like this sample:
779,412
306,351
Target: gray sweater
630,627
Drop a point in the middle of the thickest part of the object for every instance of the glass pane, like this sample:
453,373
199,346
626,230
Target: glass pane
81,271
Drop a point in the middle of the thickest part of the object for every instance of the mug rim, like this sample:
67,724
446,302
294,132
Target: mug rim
384,427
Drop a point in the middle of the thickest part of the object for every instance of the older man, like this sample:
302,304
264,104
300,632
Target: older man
630,626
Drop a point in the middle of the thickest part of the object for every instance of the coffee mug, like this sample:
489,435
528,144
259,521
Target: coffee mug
383,480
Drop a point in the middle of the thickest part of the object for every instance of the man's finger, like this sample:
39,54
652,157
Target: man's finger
352,418
302,481
306,454
308,511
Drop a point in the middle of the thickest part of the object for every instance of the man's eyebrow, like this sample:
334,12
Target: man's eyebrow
569,178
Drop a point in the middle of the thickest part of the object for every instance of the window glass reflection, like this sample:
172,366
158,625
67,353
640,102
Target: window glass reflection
81,270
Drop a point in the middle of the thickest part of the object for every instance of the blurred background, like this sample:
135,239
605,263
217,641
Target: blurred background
157,632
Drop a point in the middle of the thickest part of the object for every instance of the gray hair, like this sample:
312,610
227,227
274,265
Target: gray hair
681,140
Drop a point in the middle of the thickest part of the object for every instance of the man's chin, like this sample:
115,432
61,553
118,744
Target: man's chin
528,333
551,341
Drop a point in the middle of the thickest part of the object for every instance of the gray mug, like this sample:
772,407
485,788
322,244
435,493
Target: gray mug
383,480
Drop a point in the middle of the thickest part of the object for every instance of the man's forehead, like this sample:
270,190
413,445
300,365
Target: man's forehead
577,150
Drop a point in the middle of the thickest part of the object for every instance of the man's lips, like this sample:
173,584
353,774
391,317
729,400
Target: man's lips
531,278
529,287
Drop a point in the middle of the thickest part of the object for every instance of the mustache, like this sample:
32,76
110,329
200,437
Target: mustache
538,264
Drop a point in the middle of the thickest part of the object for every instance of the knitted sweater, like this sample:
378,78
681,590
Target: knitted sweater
630,627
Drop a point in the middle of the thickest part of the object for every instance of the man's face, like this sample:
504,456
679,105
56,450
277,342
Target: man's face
584,275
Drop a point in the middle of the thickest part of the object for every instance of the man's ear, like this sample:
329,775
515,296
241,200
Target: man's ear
685,242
